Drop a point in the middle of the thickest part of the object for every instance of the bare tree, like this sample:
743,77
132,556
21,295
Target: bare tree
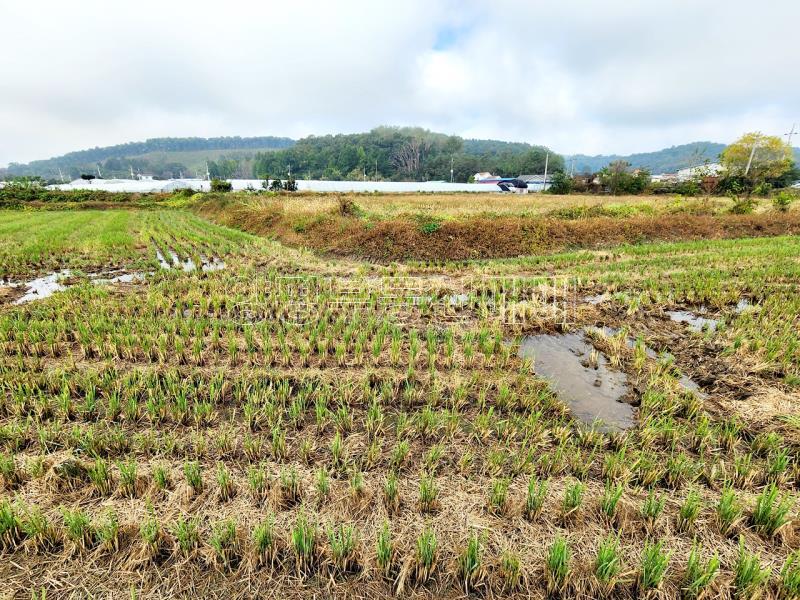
408,157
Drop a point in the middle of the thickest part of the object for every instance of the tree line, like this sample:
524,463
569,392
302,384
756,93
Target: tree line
402,154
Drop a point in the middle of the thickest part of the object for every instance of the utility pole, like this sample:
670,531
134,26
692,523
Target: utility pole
546,161
61,175
790,135
451,169
750,160
132,177
376,169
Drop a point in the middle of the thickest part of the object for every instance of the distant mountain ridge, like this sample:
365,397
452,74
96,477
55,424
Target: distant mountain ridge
72,163
173,157
668,160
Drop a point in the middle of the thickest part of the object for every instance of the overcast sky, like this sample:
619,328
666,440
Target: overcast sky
591,76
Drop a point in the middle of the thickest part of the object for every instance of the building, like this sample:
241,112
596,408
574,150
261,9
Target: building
485,178
709,170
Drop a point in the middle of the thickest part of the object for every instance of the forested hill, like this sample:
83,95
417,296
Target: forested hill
407,153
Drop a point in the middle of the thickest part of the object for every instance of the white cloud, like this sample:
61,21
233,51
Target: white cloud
580,76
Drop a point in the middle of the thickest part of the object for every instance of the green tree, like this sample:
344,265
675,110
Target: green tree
618,178
757,157
220,185
561,183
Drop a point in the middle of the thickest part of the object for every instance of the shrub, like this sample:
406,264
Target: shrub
430,226
783,200
220,185
742,205
561,183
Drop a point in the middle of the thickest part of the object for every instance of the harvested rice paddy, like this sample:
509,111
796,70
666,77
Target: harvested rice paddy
246,419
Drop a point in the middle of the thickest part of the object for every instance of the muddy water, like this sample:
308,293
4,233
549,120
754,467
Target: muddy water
162,261
592,393
42,287
121,277
595,300
694,321
214,264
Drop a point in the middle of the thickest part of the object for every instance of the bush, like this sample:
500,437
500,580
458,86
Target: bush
560,184
762,189
276,185
430,226
348,208
220,185
742,206
783,200
290,185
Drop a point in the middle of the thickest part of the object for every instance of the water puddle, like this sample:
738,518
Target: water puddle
208,265
162,261
595,300
458,299
696,322
215,264
116,277
581,377
42,287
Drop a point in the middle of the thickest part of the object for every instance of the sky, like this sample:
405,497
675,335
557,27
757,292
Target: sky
580,76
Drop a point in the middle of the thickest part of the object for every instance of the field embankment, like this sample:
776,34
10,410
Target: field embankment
347,229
